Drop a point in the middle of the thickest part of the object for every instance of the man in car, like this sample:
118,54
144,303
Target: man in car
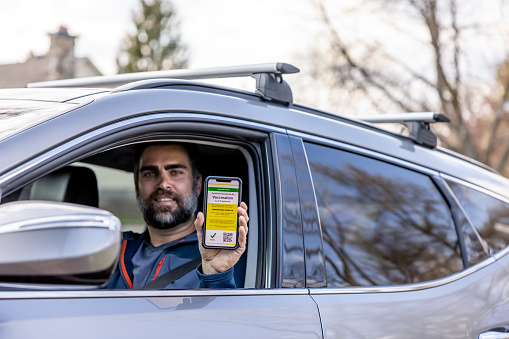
168,183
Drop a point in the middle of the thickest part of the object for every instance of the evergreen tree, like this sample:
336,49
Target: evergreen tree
156,44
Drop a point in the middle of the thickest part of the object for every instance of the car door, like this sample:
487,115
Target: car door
393,264
261,309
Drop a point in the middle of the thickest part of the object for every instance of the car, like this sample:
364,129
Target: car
354,232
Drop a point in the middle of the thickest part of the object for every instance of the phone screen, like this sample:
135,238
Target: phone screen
221,219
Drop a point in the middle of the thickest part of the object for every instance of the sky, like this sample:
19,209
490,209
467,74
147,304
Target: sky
217,33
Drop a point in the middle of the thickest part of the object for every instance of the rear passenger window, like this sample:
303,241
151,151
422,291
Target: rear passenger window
489,215
381,224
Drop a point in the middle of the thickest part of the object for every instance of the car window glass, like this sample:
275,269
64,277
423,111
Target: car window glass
475,248
489,215
381,224
16,115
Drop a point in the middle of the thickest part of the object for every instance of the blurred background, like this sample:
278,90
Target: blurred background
356,57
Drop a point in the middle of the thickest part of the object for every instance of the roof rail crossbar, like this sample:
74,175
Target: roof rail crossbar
418,124
269,81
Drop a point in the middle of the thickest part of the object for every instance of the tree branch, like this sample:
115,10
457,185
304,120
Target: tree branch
342,49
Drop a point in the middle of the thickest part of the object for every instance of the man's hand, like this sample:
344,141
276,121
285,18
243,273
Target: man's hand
219,260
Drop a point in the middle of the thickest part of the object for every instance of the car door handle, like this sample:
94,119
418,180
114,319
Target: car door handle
496,333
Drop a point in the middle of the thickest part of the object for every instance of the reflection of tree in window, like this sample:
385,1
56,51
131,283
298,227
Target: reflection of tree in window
489,215
381,224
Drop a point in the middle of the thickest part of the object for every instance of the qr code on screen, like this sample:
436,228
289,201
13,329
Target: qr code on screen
227,237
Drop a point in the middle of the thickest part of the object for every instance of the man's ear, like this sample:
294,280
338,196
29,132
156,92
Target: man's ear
198,186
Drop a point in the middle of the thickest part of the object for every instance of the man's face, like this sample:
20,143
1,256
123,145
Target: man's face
167,195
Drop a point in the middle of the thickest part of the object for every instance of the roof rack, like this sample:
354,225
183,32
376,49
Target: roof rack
418,124
269,79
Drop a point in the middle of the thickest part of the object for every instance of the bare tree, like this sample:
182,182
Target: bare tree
445,56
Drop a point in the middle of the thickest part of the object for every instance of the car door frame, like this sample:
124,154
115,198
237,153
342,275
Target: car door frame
297,311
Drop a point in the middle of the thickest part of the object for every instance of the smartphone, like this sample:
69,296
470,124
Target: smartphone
222,196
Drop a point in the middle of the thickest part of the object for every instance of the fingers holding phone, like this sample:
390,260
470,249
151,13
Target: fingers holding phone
243,228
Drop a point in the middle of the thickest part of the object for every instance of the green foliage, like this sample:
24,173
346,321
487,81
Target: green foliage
156,44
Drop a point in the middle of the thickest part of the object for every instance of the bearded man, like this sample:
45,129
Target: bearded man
168,183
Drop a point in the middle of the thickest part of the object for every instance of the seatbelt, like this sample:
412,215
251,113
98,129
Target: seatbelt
164,280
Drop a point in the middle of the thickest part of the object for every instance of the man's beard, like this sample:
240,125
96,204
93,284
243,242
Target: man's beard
166,217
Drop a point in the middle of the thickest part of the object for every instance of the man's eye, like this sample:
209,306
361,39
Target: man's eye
176,172
148,174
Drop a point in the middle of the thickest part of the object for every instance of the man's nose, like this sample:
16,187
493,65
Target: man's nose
165,181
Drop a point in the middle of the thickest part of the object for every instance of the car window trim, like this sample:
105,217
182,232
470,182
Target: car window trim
116,137
364,152
407,287
290,273
113,129
457,212
89,294
495,195
314,254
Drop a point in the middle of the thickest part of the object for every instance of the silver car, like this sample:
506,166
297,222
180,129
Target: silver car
355,232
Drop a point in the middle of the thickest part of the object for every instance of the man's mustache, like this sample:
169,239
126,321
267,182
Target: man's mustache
162,193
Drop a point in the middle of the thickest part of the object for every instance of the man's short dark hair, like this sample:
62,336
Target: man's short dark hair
192,151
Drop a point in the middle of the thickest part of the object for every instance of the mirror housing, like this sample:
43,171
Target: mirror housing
57,243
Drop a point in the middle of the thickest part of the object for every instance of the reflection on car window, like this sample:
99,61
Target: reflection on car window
381,224
489,215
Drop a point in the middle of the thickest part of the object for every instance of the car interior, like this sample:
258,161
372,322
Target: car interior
105,180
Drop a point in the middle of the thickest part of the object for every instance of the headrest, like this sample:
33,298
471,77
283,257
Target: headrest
72,184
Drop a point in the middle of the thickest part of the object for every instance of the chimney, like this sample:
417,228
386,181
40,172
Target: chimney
61,55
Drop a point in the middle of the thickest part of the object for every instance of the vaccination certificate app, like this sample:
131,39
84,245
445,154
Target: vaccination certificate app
222,203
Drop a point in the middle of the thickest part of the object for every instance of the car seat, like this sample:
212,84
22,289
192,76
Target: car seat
71,184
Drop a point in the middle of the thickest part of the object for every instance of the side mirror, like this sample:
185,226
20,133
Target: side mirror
57,243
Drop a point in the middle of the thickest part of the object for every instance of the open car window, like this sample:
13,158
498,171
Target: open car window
105,180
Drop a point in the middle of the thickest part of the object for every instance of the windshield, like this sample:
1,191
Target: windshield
16,115
21,108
